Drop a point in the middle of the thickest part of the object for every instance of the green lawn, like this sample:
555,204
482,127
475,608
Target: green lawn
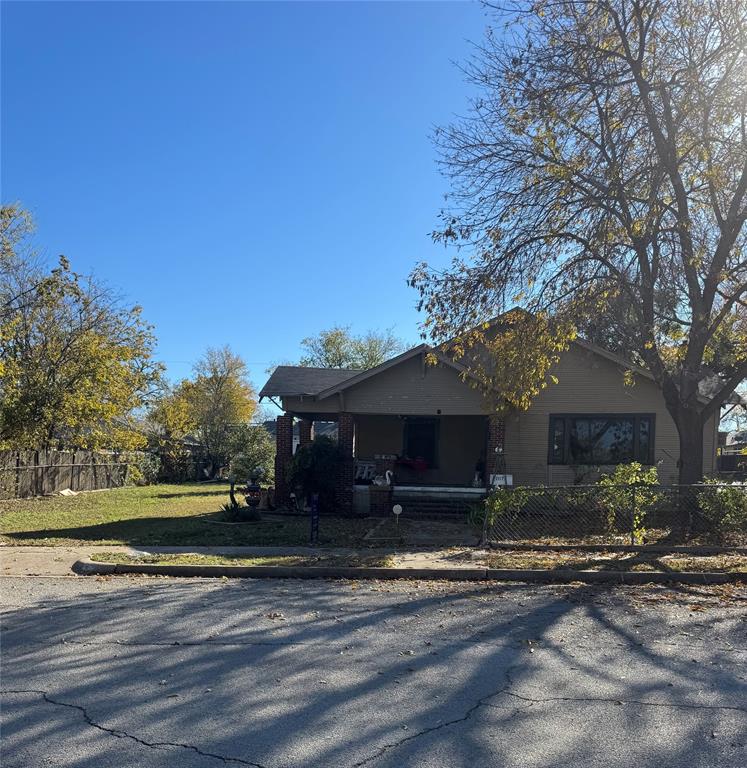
185,514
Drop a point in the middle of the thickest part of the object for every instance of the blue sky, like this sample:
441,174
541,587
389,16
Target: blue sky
250,173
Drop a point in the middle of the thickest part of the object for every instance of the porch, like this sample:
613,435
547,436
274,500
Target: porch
427,464
409,423
440,451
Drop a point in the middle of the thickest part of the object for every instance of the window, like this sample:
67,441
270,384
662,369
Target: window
421,438
601,439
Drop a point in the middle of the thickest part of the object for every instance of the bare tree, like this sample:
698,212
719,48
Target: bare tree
601,178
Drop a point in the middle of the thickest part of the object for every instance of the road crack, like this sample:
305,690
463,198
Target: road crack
634,702
485,701
381,751
125,735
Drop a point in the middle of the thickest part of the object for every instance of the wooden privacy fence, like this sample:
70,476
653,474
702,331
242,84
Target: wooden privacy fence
38,473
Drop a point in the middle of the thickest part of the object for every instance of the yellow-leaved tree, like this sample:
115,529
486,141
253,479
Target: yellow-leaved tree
75,362
208,410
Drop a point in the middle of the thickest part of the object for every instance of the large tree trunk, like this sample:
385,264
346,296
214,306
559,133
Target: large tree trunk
690,426
690,429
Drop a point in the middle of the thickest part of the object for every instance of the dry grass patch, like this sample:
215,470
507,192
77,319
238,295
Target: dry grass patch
370,561
615,561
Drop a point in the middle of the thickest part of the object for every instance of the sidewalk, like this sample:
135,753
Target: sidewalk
46,561
58,561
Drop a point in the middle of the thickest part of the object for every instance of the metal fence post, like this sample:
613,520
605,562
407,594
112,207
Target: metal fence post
314,532
632,515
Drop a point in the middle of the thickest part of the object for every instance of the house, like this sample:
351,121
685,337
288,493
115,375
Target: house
434,431
732,454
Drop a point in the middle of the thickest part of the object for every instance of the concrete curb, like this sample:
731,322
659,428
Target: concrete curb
564,576
87,567
699,549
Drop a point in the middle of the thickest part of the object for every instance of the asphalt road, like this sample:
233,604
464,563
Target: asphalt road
153,672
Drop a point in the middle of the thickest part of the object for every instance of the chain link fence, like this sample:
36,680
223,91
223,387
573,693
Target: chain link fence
617,514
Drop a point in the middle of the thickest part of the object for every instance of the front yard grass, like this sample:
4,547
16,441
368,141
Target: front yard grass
370,561
184,514
616,561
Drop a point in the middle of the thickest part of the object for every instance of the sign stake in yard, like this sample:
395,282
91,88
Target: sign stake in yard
314,535
397,510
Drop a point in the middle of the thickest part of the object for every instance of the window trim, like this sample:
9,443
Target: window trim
567,417
436,436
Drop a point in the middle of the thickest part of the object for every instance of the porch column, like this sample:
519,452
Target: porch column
283,457
305,432
494,456
346,475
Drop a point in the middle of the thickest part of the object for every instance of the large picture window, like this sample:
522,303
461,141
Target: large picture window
601,439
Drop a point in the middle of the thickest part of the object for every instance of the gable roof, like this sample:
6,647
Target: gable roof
295,380
707,387
319,383
360,376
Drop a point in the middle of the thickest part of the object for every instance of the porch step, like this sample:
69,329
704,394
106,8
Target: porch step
435,506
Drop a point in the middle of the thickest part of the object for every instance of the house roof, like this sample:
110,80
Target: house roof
297,381
294,380
407,355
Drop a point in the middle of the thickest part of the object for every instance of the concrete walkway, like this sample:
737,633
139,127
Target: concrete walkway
58,561
46,561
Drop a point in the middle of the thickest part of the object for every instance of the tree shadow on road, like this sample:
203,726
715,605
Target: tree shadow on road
345,674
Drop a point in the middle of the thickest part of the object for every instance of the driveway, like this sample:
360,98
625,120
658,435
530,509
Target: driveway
154,672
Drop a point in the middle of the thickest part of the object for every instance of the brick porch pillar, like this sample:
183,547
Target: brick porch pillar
346,475
305,432
496,439
283,457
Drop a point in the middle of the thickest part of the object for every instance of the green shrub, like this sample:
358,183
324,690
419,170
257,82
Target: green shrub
315,468
143,467
176,462
503,502
724,505
253,454
230,509
626,495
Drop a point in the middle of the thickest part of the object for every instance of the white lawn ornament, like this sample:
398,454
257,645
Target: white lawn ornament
385,479
397,511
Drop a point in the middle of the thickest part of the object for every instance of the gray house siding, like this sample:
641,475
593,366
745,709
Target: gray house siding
588,383
415,390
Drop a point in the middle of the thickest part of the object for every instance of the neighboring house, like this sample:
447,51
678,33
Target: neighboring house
434,431
732,454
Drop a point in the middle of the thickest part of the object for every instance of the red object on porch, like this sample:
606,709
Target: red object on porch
418,464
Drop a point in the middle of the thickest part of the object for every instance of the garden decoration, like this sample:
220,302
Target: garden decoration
252,495
397,511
